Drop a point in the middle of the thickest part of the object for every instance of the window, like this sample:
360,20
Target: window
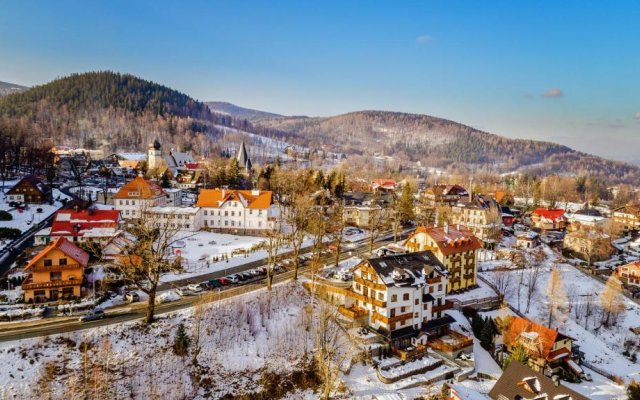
226,223
55,276
380,296
439,287
416,302
62,261
403,309
233,223
205,212
405,296
394,298
358,287
47,262
233,213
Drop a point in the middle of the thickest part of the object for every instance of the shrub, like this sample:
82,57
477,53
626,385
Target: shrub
5,216
9,233
181,342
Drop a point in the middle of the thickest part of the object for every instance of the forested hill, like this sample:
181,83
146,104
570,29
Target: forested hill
118,112
441,143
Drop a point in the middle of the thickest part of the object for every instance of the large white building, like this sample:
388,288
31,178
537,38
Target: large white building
137,195
403,296
185,218
246,211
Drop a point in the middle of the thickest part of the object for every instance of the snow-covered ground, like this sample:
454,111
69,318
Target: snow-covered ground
244,340
602,346
29,217
200,250
482,292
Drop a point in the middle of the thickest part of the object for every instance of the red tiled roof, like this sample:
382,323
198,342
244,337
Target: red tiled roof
217,197
67,247
74,223
552,215
454,240
146,189
520,325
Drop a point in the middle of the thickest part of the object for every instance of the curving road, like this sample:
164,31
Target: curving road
135,311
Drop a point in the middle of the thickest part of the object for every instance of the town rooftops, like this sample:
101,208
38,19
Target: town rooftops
85,223
253,199
64,245
407,269
450,239
553,215
140,188
519,382
448,190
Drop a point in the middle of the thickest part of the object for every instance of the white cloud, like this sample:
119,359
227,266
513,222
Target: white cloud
555,93
422,39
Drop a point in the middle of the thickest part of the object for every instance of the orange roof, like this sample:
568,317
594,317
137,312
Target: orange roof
454,240
145,189
552,215
500,196
519,326
67,247
215,198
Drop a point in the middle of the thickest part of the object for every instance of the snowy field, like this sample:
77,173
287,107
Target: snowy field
200,250
603,346
244,341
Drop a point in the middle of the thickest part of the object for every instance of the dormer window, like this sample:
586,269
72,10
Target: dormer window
135,194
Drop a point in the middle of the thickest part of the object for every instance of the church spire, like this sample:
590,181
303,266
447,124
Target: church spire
243,157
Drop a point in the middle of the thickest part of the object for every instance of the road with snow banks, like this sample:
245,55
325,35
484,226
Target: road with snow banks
136,311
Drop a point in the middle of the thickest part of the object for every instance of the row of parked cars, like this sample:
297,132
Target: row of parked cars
213,284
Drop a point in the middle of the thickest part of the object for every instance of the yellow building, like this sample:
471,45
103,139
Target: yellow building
55,273
456,248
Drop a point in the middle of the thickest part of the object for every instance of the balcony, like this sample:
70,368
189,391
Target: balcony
50,285
443,307
369,300
451,342
368,283
55,268
437,279
353,312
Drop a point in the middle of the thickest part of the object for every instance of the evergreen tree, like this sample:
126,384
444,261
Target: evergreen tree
233,175
406,206
181,342
486,335
518,354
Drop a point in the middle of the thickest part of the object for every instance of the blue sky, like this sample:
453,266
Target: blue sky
564,71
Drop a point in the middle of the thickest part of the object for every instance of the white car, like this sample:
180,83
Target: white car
232,278
195,287
184,292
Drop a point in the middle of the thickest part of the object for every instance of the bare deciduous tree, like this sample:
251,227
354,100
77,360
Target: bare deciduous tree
556,306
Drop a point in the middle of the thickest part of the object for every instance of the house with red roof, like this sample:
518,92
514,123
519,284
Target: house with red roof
228,210
137,195
549,219
629,273
455,247
82,225
385,185
547,348
55,273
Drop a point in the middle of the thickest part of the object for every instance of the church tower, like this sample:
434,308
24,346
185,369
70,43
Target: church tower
154,155
243,158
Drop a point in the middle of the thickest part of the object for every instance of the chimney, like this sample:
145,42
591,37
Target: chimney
446,228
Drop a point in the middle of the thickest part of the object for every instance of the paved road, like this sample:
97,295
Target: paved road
45,327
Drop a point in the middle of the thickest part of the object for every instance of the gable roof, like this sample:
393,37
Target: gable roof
449,239
64,245
521,382
146,189
406,269
253,199
85,222
519,326
32,181
554,215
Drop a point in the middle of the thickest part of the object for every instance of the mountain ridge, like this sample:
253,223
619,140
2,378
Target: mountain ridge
117,111
250,114
8,88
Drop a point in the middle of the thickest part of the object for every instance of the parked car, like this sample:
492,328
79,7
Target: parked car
132,297
195,287
214,283
246,275
277,267
223,281
254,272
92,315
233,278
184,292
